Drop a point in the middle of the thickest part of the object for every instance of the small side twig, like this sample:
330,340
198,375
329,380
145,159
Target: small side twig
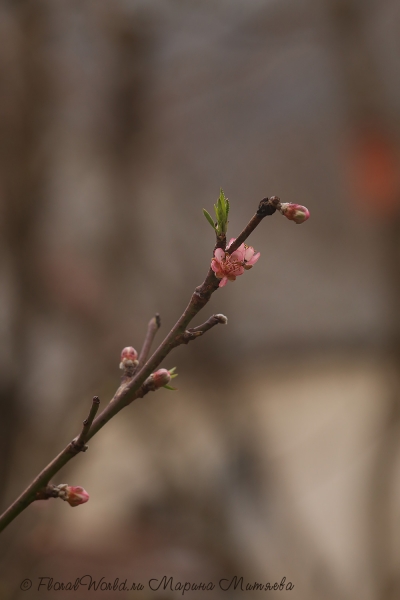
79,443
152,328
195,332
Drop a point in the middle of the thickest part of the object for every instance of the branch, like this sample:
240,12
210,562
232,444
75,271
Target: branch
266,208
136,386
80,442
199,299
39,488
152,328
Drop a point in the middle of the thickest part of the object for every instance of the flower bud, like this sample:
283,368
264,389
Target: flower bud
161,377
295,212
74,495
128,357
129,353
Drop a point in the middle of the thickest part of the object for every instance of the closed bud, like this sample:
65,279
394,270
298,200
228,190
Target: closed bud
161,377
295,212
74,495
128,357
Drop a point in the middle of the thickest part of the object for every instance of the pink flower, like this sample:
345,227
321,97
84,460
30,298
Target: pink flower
75,495
295,212
229,266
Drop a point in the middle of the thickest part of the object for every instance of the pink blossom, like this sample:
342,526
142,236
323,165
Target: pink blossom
295,212
75,495
229,266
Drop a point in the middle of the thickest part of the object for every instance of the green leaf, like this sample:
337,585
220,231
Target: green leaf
218,228
174,375
208,217
168,387
221,207
172,370
221,200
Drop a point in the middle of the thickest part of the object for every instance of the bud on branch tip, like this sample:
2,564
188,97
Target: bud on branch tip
295,212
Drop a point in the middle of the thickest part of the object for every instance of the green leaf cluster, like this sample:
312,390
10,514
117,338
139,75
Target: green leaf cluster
173,375
221,211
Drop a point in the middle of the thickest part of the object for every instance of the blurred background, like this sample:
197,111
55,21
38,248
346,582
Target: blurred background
279,455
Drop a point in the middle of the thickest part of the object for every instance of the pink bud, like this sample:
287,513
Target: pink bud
128,359
129,353
161,377
75,495
295,212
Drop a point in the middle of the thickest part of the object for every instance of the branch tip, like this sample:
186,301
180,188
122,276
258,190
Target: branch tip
79,443
152,328
268,206
222,319
194,332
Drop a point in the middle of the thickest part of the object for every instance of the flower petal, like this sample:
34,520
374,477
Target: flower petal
254,259
215,265
249,252
238,271
238,255
223,282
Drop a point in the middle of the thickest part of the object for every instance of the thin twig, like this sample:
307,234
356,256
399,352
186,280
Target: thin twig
195,332
266,208
80,442
152,328
211,322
